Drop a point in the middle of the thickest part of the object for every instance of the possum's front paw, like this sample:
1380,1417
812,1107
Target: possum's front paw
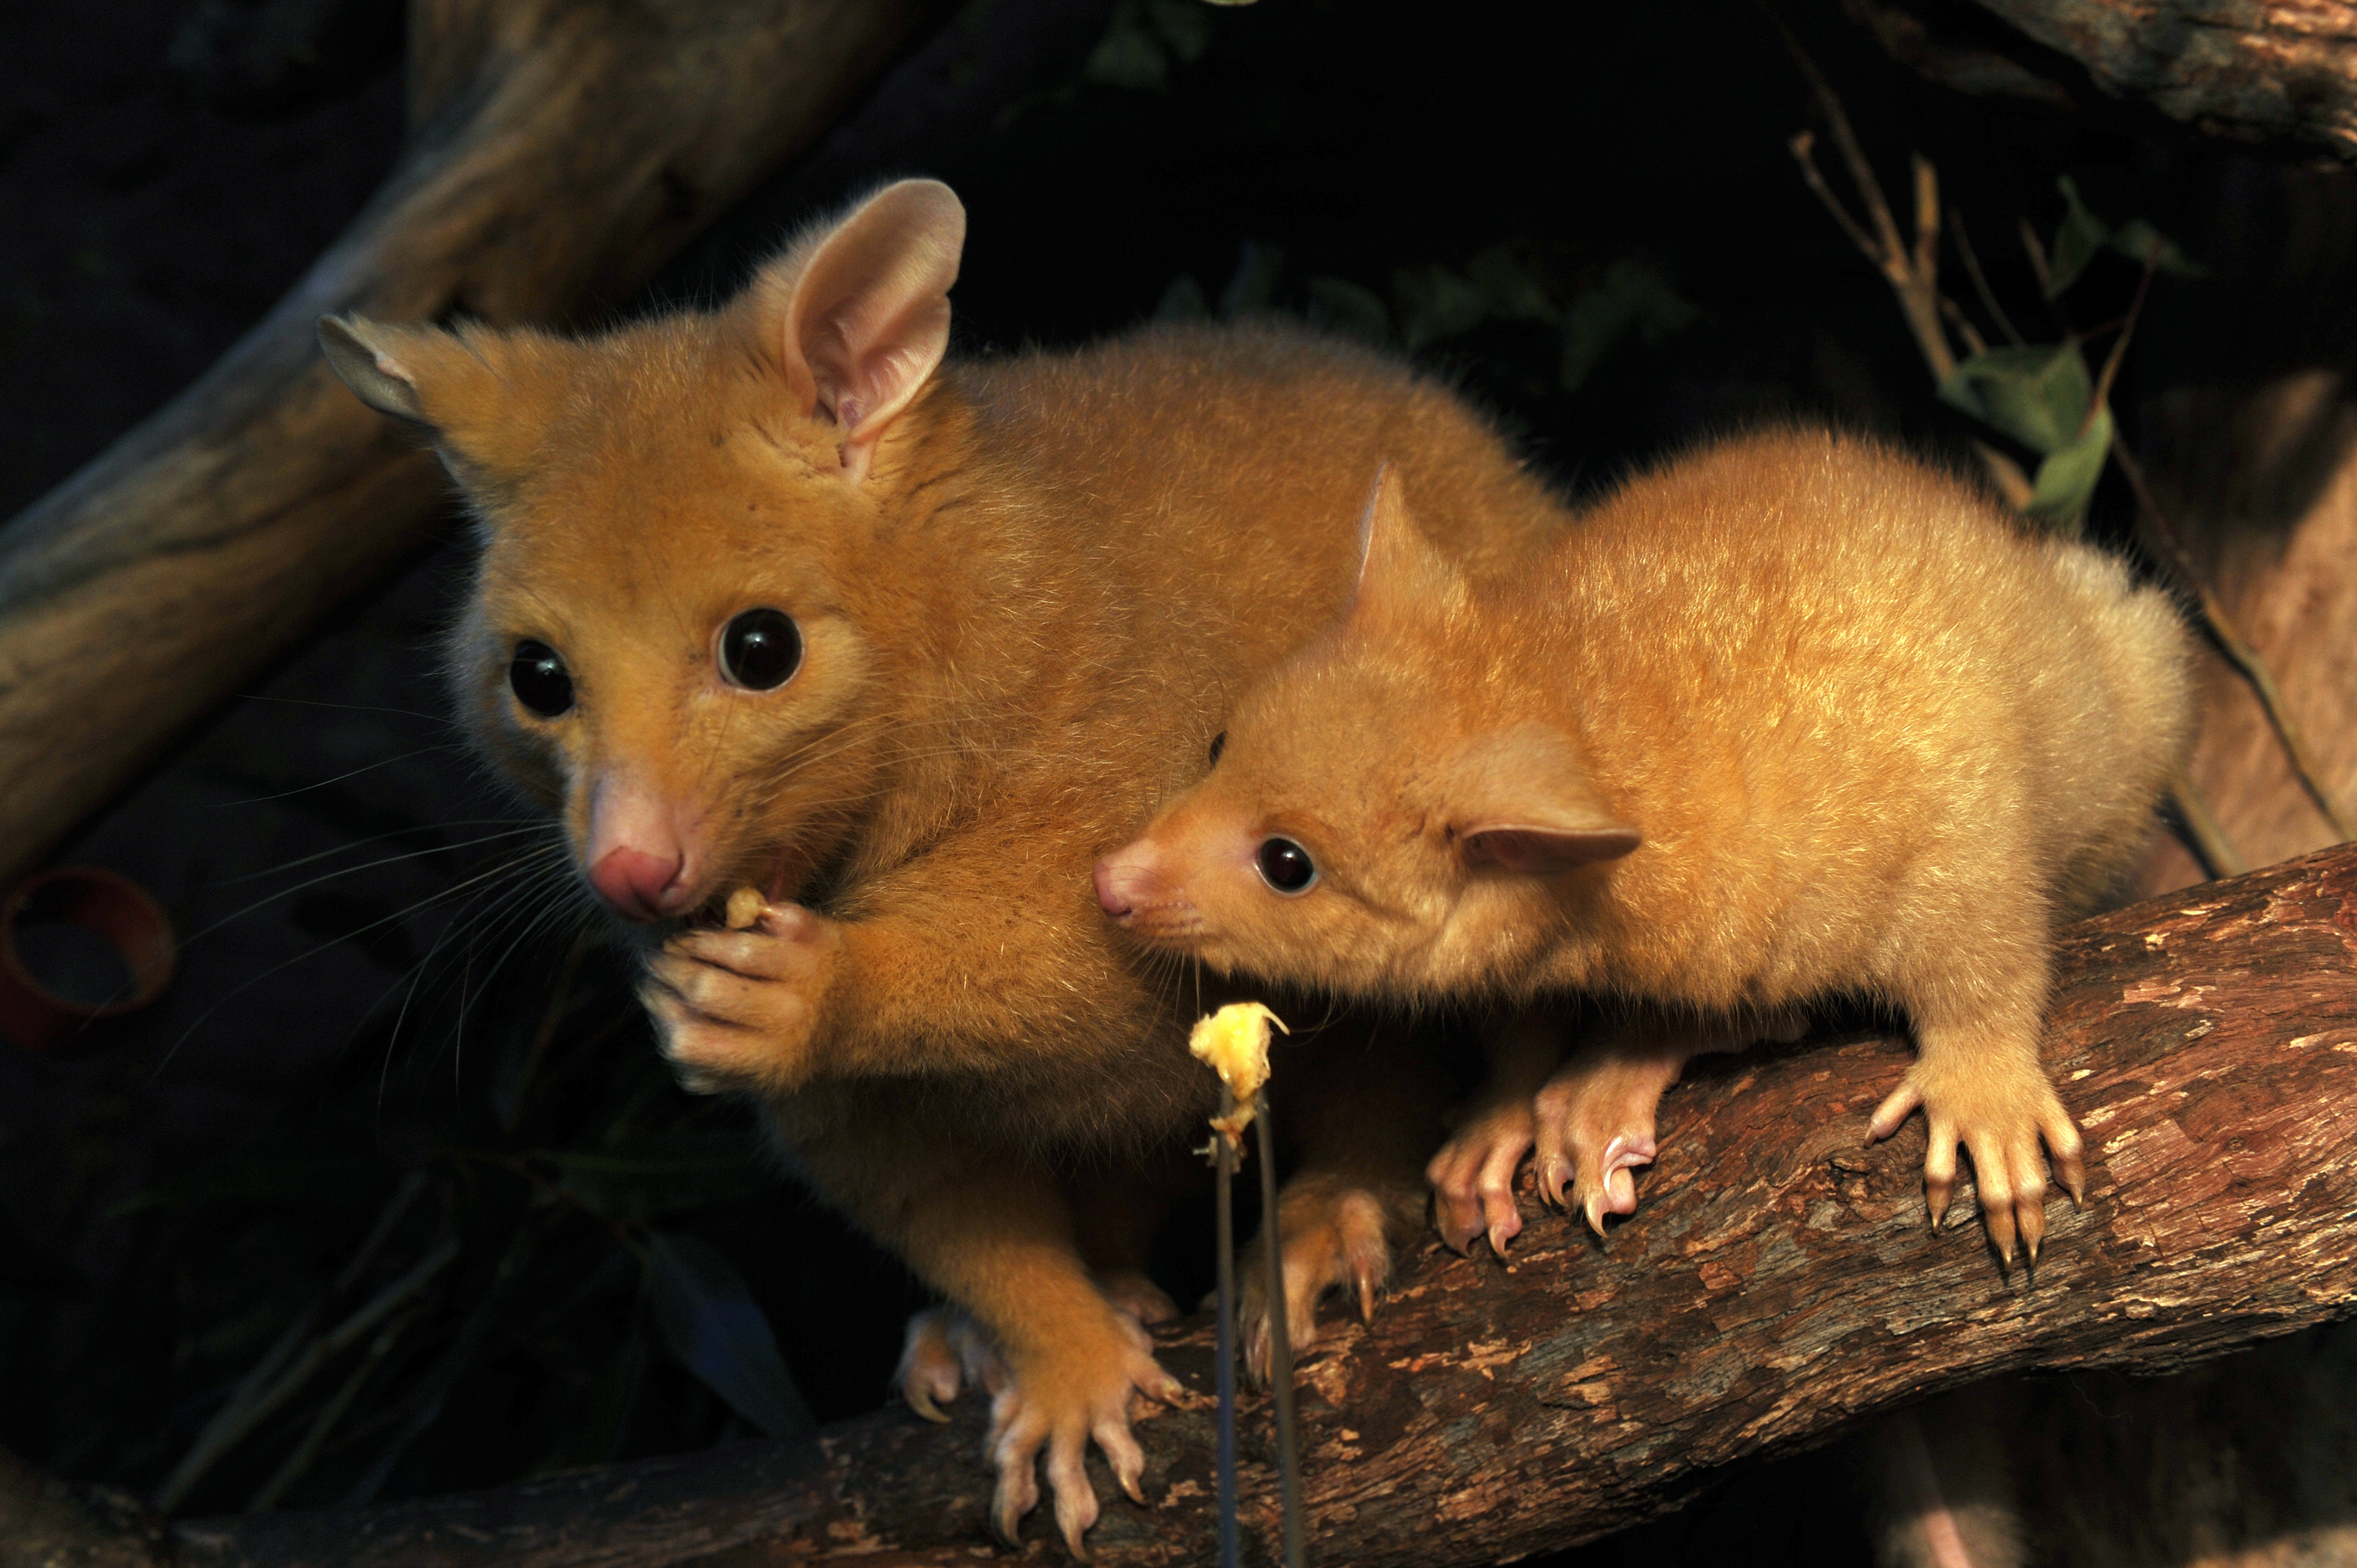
736,1009
1076,1391
1336,1234
1473,1175
1998,1112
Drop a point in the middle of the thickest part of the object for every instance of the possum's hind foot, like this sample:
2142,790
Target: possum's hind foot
944,1350
1473,1177
1337,1234
1594,1123
1999,1107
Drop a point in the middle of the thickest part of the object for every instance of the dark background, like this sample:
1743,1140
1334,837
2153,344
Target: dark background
390,1022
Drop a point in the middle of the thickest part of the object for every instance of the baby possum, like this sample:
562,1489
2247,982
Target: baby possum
1788,717
770,595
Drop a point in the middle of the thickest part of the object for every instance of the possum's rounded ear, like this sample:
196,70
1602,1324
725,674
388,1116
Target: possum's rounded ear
860,315
1521,800
485,421
364,354
1398,568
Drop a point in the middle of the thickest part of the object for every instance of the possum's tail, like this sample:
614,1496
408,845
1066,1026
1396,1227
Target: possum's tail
2144,656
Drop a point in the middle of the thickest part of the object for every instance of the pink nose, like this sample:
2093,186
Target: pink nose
1123,886
643,887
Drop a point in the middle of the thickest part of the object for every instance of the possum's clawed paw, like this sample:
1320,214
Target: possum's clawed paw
737,1008
946,1350
1473,1176
1055,1404
1334,1238
1999,1115
1595,1127
1132,1294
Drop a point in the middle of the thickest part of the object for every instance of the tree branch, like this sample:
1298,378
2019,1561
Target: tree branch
560,153
2269,69
1777,1285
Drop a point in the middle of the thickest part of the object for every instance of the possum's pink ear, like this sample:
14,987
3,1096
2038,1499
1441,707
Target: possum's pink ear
1398,568
1521,800
859,315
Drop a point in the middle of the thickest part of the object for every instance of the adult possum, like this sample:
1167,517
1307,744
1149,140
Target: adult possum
771,595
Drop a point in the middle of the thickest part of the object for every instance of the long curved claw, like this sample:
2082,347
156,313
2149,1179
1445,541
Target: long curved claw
1335,1237
1472,1179
1055,1412
930,1370
1068,1483
1127,1459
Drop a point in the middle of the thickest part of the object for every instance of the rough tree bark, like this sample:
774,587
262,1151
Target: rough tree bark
2252,69
1777,1285
558,154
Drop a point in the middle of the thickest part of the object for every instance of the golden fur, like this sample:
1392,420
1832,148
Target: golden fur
1028,589
1872,735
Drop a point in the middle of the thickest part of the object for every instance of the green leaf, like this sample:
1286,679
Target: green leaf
2066,480
1340,306
708,1320
1183,25
1254,286
2080,235
2036,394
1630,298
1510,291
1130,54
1436,303
1184,300
2140,242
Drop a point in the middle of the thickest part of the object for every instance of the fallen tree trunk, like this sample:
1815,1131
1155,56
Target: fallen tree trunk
558,154
1777,1285
2270,70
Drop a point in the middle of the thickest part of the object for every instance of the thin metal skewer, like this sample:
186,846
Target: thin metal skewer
1223,1164
1280,1348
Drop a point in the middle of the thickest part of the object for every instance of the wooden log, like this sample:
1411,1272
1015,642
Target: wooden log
559,151
2267,70
1777,1285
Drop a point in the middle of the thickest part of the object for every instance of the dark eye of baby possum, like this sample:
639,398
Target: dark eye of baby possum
1219,745
760,650
538,680
1287,867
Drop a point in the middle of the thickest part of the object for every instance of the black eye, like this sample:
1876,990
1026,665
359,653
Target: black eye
1287,867
1219,745
760,650
538,678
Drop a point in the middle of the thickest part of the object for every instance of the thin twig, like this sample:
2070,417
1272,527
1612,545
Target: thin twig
238,1419
2119,351
1913,275
2162,540
1280,1354
2202,833
1980,281
1223,1161
1804,148
1962,325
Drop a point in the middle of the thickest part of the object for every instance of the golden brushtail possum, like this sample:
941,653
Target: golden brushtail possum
1790,718
771,595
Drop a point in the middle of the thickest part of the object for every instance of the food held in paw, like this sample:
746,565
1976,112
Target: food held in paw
744,909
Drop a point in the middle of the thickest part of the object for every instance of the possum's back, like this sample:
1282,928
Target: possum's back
1846,652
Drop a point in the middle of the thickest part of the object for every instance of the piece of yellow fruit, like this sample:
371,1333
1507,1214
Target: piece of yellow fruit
1234,1043
744,909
